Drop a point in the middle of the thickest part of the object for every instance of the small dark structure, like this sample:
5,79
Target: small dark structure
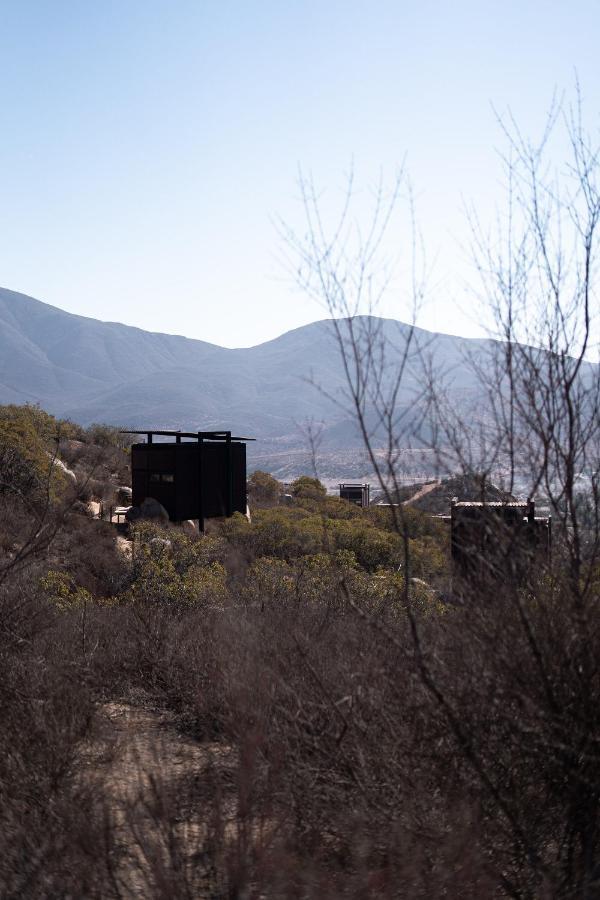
198,475
360,494
498,540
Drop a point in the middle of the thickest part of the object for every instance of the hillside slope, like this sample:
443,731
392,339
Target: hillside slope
93,371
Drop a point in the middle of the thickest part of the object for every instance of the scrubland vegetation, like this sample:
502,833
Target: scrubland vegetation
310,705
383,737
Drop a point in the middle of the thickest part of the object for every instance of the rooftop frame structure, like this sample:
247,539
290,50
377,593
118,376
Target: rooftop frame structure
198,475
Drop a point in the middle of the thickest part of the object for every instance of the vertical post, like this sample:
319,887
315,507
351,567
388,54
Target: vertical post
530,510
453,548
229,462
200,484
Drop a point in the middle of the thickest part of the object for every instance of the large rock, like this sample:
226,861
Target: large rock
148,509
190,526
124,496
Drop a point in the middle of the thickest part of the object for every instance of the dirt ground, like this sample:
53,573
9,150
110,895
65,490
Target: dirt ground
156,782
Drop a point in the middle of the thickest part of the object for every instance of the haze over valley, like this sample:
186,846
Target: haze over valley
92,371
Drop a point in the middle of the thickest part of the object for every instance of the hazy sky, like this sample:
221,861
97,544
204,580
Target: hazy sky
146,147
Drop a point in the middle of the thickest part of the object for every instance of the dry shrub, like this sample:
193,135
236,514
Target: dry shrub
372,751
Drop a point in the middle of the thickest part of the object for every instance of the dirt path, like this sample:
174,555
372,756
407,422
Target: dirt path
426,489
159,787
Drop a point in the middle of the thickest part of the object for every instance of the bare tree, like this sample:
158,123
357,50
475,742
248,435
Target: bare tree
539,279
348,270
513,674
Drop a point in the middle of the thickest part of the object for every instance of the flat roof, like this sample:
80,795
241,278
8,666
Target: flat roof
196,435
496,504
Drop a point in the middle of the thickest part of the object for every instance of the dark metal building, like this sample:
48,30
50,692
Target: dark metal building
497,540
195,475
360,494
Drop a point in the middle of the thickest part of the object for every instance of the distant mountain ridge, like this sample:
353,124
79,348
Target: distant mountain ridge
92,371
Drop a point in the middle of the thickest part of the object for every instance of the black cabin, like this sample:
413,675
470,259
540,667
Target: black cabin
498,540
194,475
360,494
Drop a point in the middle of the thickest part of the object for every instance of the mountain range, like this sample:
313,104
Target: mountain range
93,371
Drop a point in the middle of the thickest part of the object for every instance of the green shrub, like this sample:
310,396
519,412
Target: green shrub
28,439
263,488
308,488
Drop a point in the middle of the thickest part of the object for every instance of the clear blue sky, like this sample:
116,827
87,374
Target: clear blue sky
146,146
